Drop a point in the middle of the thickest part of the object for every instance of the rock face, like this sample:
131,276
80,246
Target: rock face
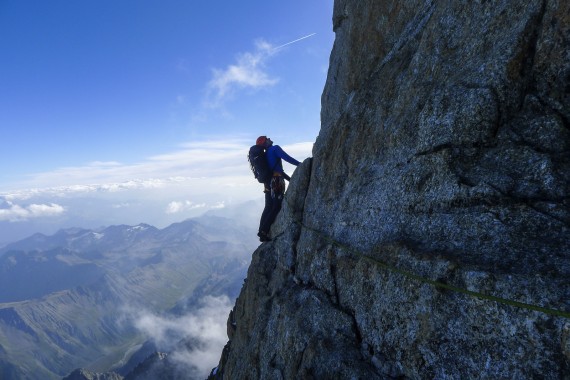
443,163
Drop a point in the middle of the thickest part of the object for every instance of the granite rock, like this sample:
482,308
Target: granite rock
443,163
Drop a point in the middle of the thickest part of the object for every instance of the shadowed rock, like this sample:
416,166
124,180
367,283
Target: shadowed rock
444,152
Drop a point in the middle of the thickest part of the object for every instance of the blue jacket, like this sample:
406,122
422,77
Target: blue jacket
275,154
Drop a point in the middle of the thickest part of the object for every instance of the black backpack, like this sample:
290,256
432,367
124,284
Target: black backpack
258,163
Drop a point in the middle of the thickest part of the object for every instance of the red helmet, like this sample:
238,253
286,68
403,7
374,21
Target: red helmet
261,140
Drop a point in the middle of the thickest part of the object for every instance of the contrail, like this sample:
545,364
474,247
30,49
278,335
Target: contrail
292,42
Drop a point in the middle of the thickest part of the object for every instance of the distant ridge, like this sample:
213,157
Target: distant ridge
63,297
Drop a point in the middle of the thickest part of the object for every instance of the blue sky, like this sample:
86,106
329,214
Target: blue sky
110,95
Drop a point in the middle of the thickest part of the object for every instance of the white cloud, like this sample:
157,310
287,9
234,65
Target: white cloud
71,190
207,324
176,207
121,205
15,213
160,190
299,150
219,205
209,167
248,72
196,160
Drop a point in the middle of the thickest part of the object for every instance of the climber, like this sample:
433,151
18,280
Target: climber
274,187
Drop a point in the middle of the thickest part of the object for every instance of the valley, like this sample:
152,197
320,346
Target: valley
70,300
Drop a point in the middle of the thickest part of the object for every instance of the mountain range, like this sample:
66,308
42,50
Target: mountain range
72,300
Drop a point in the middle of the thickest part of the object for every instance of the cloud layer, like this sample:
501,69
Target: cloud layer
160,190
15,213
206,325
214,163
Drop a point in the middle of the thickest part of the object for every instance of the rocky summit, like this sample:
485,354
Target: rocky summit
429,235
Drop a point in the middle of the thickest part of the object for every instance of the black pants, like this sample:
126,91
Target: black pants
272,207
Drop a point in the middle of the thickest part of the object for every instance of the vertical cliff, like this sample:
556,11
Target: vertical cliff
440,179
